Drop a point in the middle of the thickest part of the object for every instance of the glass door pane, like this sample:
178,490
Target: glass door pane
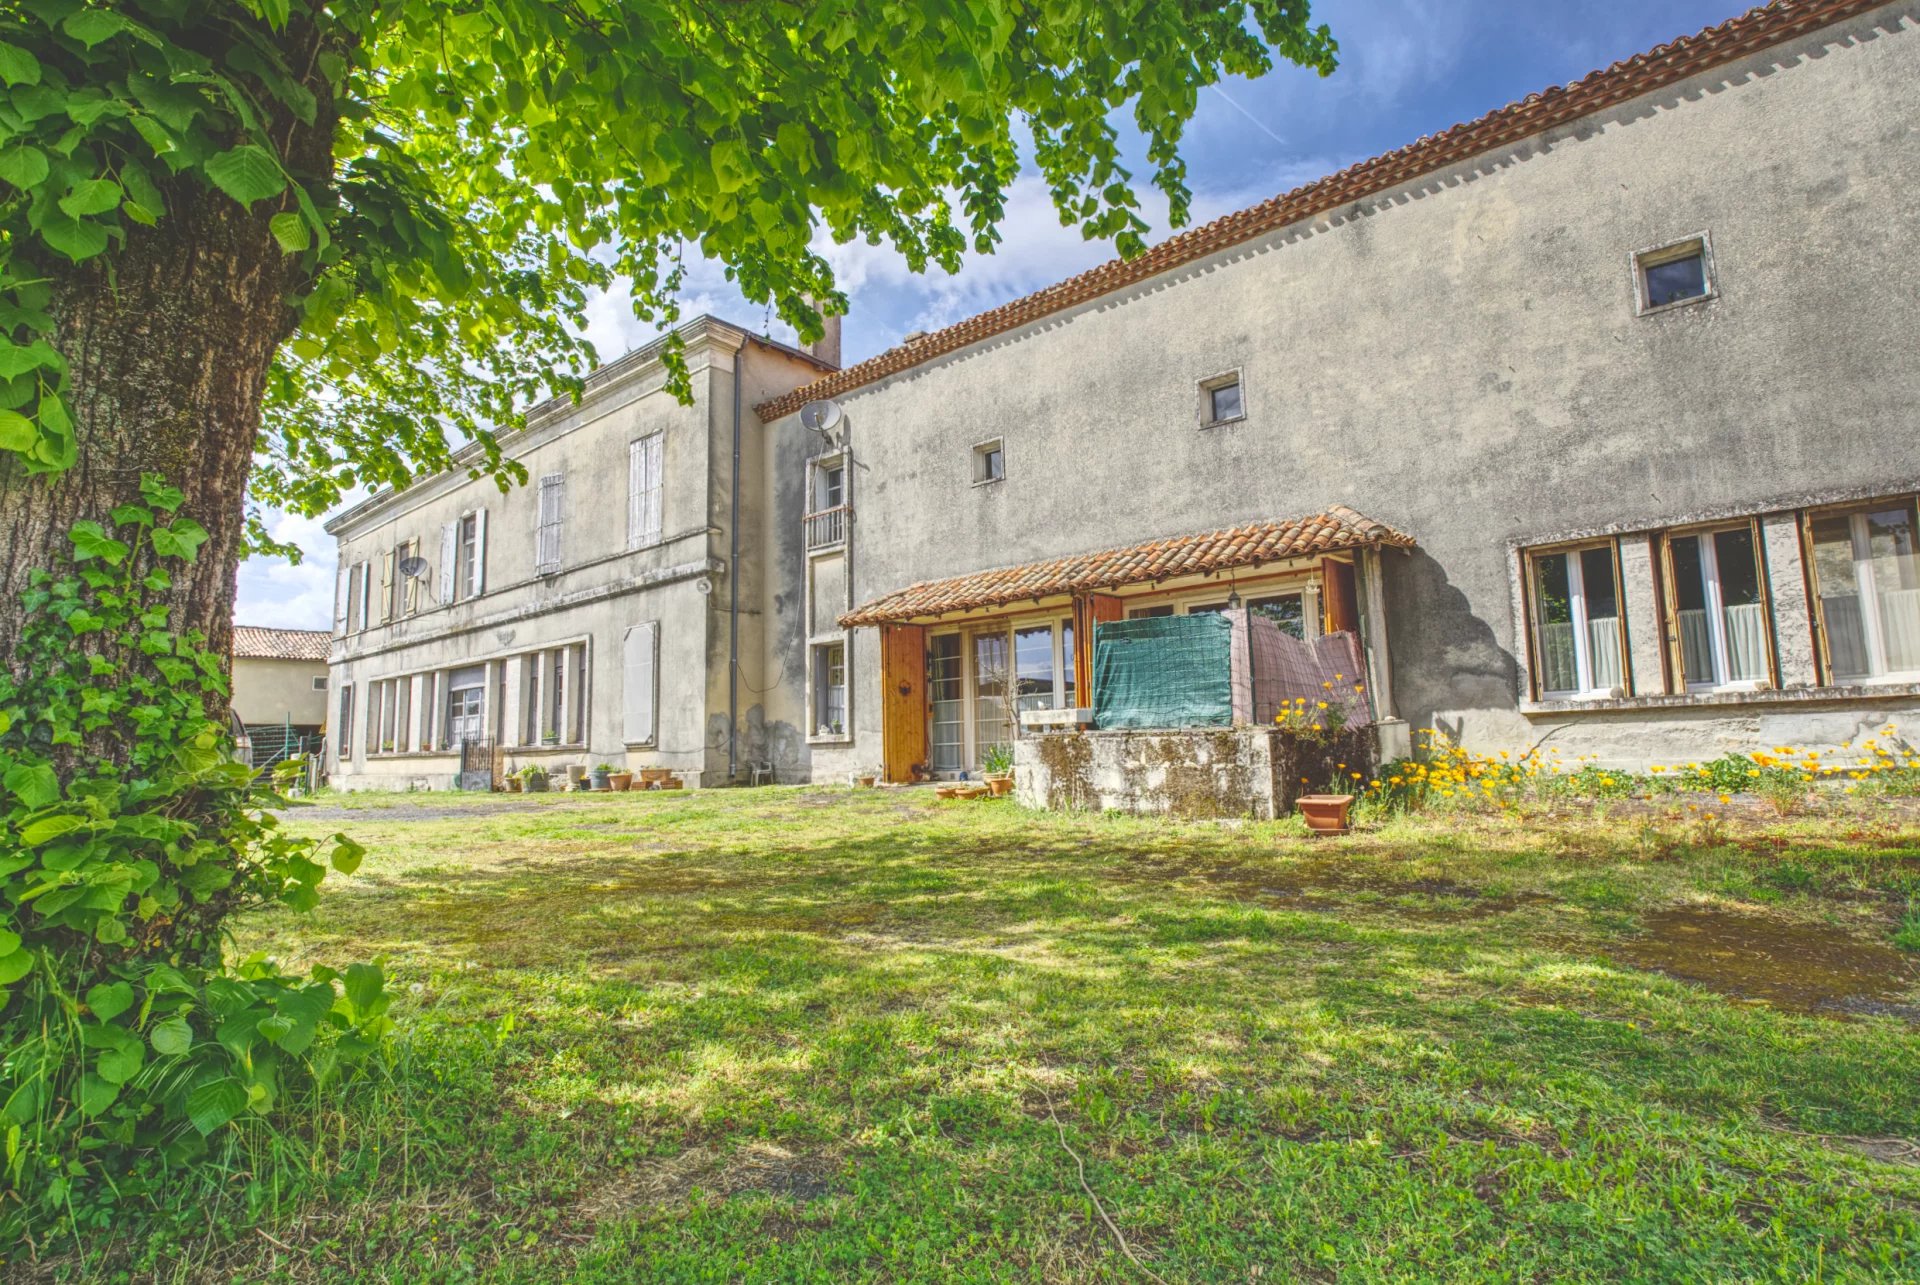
1067,677
1033,668
947,750
1743,608
1553,607
990,683
1605,666
1698,663
1889,539
1287,610
1841,614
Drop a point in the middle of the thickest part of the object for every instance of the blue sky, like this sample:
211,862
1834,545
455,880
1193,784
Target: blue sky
1408,68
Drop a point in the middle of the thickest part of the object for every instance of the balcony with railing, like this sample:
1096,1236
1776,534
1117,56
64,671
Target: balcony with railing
827,528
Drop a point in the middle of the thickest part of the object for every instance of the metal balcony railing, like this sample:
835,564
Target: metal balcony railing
826,528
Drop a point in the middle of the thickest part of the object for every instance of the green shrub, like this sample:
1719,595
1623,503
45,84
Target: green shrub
1907,936
129,833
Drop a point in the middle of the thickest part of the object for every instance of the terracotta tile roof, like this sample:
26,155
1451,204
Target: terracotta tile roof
1664,65
1241,546
256,643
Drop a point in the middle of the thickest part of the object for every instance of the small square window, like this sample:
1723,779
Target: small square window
989,462
1222,400
319,682
1673,275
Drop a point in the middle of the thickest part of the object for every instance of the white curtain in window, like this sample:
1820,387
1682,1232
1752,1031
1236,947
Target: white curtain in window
1900,629
1746,642
1603,650
639,661
644,456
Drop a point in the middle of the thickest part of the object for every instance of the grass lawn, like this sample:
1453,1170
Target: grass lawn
829,1035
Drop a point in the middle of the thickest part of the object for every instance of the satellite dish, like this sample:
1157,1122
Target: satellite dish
413,567
821,416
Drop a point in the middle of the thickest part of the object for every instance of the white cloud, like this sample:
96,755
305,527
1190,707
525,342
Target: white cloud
279,595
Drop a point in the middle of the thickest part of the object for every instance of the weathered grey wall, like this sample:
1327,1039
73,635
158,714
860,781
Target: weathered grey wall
1201,773
278,691
1462,359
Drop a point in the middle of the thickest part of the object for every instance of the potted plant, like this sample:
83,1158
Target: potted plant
598,776
535,779
865,779
1326,813
513,783
620,779
996,766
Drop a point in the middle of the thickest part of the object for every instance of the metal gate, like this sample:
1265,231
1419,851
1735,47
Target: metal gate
479,765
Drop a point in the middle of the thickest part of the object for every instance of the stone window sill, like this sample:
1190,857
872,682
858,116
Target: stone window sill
845,738
1721,700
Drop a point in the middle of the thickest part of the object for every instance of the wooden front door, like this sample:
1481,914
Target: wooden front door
903,699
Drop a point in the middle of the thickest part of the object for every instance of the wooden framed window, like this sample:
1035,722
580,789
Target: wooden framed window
1719,622
830,689
551,516
1864,566
1577,631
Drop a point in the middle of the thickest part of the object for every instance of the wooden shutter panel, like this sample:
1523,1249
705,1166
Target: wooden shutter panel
340,580
1342,602
479,579
366,593
903,698
449,559
639,669
386,587
636,484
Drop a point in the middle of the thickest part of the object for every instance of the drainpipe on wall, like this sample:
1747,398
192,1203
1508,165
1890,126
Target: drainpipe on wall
733,583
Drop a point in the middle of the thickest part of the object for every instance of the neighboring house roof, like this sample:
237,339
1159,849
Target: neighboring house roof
1550,108
1242,546
252,642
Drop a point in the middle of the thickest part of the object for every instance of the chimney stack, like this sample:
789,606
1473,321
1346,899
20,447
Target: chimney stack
827,347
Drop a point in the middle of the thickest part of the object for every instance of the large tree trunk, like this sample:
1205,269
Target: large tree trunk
169,343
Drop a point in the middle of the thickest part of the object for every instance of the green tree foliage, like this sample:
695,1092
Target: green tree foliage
126,1040
495,160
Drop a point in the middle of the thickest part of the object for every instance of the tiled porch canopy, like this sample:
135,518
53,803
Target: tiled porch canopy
1253,544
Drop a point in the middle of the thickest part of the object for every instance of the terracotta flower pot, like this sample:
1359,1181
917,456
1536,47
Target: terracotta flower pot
1000,785
866,782
620,780
1326,813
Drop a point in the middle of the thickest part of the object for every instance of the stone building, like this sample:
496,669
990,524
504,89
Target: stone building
1592,418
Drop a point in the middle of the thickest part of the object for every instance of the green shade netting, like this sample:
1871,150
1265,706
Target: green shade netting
1169,671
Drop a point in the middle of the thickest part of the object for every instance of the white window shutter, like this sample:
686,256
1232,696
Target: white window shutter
449,559
386,586
636,477
340,600
640,679
366,593
552,506
650,525
478,581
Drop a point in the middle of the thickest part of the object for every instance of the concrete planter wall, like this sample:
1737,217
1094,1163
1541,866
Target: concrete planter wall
1206,772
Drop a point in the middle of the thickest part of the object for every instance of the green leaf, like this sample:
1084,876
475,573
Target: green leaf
248,173
34,784
78,239
17,66
214,1103
91,26
9,941
122,1062
172,1037
291,231
182,539
92,196
364,985
108,1000
47,829
96,1094
24,166
15,966
17,432
90,540
154,489
346,854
